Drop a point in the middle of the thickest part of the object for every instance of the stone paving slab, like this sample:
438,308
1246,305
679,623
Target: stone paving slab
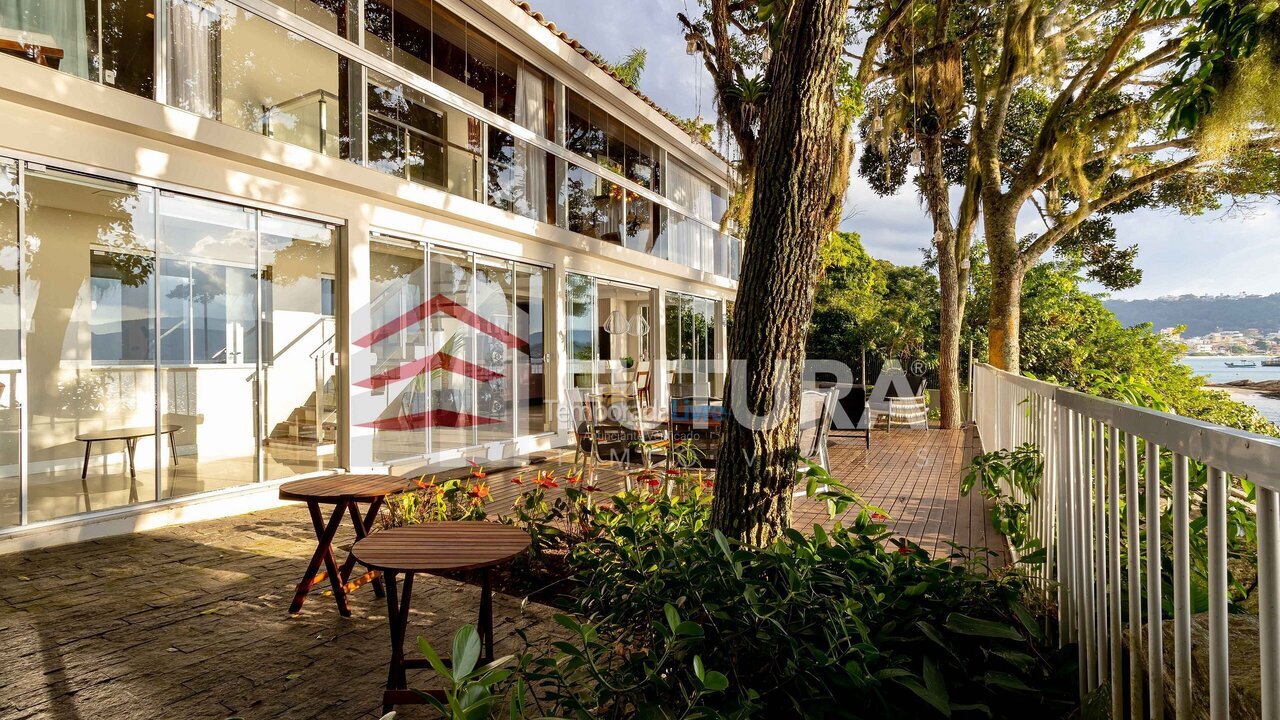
192,622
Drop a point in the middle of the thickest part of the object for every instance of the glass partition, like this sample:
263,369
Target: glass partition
88,291
209,343
454,371
533,413
108,41
10,350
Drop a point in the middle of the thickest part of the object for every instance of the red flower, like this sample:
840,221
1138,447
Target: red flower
652,482
421,485
479,491
478,474
879,516
517,480
708,484
904,550
545,482
675,472
591,488
573,479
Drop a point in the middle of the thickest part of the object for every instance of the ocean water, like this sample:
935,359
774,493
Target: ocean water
1215,369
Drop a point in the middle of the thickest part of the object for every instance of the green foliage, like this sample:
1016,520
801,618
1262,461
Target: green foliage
676,621
631,67
1225,34
861,303
468,686
1002,476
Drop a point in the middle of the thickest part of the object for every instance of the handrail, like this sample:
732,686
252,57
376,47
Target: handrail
1236,452
1106,465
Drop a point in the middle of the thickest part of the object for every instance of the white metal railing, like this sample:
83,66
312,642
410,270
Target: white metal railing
1102,457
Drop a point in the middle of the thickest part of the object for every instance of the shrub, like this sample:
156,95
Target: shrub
673,620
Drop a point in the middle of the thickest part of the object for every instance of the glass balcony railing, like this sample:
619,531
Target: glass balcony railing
228,64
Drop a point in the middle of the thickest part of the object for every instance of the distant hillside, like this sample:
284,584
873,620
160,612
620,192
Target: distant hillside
1202,314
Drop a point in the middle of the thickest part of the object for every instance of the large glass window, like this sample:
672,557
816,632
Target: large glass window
89,279
231,65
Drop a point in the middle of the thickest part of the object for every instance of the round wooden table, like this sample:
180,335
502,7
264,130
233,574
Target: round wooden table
343,492
434,548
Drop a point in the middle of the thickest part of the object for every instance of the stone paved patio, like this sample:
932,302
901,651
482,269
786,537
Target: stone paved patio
192,622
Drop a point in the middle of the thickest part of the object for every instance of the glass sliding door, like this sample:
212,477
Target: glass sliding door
610,331
10,350
298,384
458,349
88,292
453,370
209,334
495,350
533,415
691,345
580,335
397,294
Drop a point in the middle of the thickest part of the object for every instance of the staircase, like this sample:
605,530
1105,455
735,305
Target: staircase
314,424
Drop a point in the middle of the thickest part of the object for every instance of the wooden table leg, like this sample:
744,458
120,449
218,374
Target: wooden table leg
398,619
324,552
363,527
131,444
485,623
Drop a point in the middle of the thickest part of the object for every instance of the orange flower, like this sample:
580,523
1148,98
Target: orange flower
421,485
479,491
545,482
573,479
879,516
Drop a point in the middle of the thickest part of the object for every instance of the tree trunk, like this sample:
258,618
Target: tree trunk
799,142
1004,317
953,281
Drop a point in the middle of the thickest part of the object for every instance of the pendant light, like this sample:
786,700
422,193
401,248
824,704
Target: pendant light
639,326
616,323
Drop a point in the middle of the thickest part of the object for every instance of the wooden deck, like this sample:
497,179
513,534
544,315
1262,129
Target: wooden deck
913,476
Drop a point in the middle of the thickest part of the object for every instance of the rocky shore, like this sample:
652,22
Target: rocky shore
1270,388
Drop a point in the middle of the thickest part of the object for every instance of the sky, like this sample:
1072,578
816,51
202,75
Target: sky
1218,253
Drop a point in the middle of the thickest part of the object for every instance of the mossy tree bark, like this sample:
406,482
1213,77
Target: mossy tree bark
799,145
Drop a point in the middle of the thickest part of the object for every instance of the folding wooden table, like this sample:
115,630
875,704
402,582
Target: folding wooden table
433,548
344,492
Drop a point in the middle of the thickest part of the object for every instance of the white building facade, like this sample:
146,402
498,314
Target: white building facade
245,241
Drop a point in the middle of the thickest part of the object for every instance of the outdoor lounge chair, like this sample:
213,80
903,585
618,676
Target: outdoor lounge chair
899,396
816,409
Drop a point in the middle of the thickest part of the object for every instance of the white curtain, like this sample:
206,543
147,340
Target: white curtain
691,243
193,56
58,24
530,185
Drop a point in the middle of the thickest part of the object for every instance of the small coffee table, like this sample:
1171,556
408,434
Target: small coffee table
344,492
433,548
